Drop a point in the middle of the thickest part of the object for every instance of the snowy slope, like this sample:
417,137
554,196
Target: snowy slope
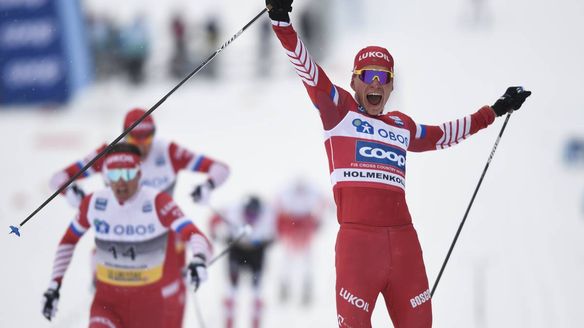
520,258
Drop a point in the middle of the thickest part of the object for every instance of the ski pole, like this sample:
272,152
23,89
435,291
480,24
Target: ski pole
244,231
16,230
469,205
198,312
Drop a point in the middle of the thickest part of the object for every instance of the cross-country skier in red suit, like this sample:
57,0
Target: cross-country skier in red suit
300,208
377,248
161,163
136,265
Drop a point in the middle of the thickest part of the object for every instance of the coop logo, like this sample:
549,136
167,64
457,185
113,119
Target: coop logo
372,152
101,204
420,299
101,226
354,300
363,126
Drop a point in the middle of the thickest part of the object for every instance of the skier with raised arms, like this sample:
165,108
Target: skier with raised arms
377,248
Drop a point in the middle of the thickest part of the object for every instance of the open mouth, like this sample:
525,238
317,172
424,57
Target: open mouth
374,98
122,191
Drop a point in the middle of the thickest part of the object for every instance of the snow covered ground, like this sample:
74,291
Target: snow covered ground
520,259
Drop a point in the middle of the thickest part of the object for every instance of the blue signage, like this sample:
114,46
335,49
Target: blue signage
43,53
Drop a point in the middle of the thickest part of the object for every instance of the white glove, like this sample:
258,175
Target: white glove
198,270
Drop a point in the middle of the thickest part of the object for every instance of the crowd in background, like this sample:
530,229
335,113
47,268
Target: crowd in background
124,49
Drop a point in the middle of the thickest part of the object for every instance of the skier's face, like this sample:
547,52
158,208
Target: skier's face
124,190
144,144
372,96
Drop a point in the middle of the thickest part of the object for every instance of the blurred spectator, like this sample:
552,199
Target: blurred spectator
313,28
134,48
179,64
574,152
212,39
300,208
249,252
264,55
478,13
103,43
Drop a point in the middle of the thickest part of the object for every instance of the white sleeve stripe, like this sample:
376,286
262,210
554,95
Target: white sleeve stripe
446,134
62,261
198,244
454,132
418,131
302,55
62,254
278,23
65,247
313,69
439,143
467,121
60,269
303,64
460,129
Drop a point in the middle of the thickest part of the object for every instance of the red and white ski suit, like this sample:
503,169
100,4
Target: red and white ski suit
159,170
137,274
377,248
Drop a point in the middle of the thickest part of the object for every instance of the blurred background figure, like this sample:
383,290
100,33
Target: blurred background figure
300,208
248,253
265,53
574,157
134,49
103,42
477,13
179,63
313,29
212,30
574,152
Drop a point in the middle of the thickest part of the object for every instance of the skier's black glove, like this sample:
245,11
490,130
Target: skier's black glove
511,100
279,9
202,192
198,270
51,300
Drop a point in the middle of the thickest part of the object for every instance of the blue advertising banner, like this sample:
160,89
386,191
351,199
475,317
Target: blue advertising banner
43,53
